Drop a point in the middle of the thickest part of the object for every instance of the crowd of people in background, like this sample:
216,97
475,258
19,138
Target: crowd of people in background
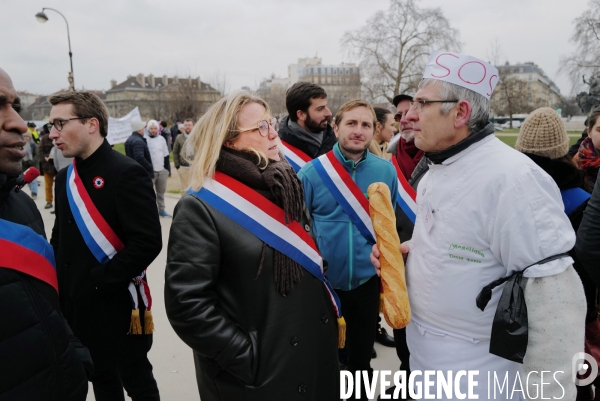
272,274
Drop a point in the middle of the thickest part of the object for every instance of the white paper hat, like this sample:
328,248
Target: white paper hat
466,71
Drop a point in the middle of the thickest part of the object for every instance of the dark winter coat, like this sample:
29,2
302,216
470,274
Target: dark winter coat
94,297
40,358
286,134
588,236
136,148
249,342
566,175
46,145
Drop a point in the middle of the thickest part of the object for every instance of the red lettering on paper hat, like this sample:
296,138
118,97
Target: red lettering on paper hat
466,71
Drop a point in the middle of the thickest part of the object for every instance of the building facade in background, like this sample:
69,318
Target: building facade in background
341,82
523,88
160,97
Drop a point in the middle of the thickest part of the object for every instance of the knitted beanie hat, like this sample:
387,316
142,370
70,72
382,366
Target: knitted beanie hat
543,133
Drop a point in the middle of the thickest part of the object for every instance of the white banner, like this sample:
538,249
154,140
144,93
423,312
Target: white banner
119,129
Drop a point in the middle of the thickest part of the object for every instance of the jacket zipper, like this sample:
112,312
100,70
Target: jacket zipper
44,319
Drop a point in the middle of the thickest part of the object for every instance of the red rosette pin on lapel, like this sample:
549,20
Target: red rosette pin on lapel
98,182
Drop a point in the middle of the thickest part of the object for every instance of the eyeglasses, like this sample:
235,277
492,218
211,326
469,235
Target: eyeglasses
58,124
263,127
419,104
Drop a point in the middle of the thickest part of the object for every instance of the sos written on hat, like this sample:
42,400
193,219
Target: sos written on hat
462,70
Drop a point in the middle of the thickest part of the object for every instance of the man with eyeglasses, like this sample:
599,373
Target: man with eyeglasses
106,233
486,212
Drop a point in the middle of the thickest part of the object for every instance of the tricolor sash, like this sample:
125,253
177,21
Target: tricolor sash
26,251
345,191
135,326
407,196
266,221
97,234
104,244
295,156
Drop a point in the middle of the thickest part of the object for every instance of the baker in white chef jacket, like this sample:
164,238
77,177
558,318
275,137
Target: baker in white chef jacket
484,212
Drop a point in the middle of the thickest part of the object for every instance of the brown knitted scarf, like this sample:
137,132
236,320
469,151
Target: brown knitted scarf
279,183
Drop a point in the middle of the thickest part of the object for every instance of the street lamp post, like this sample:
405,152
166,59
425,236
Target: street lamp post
42,17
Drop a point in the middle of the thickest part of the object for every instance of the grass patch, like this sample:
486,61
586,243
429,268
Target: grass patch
174,191
516,131
511,140
120,147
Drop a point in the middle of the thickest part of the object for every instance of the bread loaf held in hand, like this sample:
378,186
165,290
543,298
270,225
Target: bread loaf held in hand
396,308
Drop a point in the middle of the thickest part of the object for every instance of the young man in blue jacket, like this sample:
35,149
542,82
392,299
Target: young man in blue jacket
333,183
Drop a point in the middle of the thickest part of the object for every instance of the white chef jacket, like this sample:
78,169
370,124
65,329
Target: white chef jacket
494,212
158,151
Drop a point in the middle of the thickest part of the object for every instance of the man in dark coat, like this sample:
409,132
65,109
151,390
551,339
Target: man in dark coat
136,147
41,359
94,290
307,127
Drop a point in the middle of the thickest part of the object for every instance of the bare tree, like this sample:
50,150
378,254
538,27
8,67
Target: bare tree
393,46
510,95
494,52
190,98
275,98
218,80
586,58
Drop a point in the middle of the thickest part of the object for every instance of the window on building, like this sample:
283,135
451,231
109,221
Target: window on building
350,72
530,77
319,71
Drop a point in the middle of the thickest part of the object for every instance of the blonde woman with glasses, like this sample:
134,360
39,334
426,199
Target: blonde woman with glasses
244,282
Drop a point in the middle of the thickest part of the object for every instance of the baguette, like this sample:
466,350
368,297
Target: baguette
396,308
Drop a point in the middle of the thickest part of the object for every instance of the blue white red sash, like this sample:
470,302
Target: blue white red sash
26,251
97,234
407,196
295,156
266,221
140,281
347,194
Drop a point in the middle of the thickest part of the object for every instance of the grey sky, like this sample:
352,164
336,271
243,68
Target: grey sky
246,40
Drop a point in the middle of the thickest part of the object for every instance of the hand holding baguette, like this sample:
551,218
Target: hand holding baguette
396,307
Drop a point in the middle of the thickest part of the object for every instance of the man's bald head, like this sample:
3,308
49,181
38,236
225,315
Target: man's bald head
12,127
